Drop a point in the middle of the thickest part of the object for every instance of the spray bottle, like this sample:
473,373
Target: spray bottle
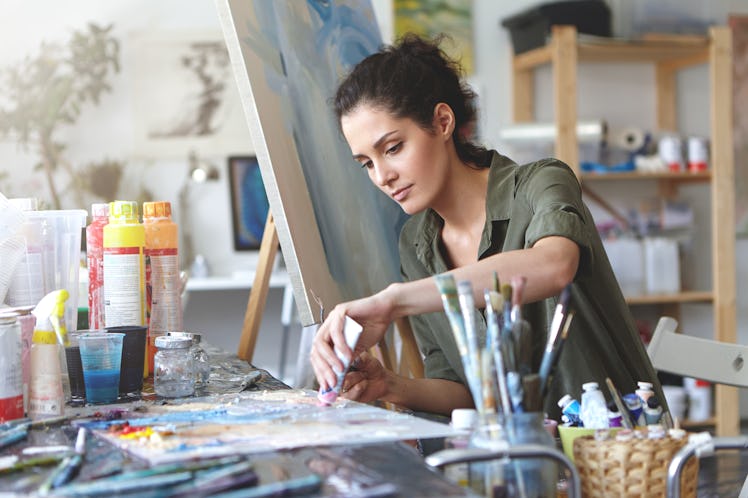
50,384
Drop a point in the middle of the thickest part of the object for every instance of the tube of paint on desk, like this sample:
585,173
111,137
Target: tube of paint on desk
615,419
652,411
571,408
635,408
351,331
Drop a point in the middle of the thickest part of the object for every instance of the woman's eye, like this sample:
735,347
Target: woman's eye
394,148
366,164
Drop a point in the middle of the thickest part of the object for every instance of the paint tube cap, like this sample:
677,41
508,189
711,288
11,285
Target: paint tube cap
590,386
644,385
464,418
158,209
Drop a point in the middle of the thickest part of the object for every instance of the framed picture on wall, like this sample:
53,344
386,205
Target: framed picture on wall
249,202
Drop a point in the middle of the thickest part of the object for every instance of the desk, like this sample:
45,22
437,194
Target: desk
381,469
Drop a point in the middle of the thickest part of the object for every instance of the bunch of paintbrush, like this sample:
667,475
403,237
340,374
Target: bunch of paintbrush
559,329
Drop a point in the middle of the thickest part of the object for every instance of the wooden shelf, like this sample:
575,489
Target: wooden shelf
677,51
690,424
668,54
680,297
684,177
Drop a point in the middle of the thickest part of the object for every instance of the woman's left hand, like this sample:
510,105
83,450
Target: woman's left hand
367,380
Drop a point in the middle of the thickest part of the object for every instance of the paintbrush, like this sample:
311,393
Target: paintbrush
445,282
559,317
295,486
68,468
39,461
104,487
622,409
493,303
211,481
467,306
521,328
15,434
556,353
507,339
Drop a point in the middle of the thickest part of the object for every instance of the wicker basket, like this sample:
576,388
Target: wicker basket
634,468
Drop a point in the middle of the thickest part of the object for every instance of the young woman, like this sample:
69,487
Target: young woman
407,116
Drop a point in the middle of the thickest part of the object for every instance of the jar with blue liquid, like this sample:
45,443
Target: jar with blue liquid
174,371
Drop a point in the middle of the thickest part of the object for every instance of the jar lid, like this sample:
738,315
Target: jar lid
464,418
171,342
194,337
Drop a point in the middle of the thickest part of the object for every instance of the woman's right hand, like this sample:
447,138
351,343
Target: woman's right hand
373,313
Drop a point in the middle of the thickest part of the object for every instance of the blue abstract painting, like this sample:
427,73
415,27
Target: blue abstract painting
337,231
249,202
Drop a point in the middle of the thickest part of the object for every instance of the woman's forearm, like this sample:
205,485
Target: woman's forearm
427,395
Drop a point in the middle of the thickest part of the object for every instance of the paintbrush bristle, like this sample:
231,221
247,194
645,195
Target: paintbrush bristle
506,292
496,284
497,300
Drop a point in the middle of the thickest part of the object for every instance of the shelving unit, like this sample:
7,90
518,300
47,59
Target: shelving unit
669,55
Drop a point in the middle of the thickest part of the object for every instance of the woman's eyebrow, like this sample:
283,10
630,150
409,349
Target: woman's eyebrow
376,145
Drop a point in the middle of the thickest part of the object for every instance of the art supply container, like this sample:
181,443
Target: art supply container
95,260
101,356
124,266
27,284
174,375
201,361
133,357
163,296
11,373
61,240
520,477
75,368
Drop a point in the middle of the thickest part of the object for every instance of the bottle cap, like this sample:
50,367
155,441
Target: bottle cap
645,385
612,406
158,209
464,418
653,402
172,342
565,399
123,212
195,338
590,386
99,210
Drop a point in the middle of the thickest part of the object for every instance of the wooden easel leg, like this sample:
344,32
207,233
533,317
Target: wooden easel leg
259,292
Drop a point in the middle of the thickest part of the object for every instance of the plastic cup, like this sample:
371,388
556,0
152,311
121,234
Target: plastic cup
133,357
75,368
61,240
101,357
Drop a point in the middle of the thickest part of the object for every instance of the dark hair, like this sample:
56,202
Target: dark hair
408,79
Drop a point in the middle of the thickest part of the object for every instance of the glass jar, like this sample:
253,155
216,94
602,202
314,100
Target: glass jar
174,372
199,357
532,478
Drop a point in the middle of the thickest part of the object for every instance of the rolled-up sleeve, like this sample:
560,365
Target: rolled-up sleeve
555,199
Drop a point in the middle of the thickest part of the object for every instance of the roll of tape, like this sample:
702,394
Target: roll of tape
630,139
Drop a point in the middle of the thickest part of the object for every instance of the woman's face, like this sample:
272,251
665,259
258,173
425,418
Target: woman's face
406,162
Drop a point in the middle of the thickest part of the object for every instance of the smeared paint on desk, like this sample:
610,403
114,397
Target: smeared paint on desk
250,423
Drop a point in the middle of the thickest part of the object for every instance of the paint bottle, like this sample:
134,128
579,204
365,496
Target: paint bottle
50,385
95,260
644,391
124,266
570,408
594,411
27,283
464,420
652,410
11,371
163,299
615,419
635,407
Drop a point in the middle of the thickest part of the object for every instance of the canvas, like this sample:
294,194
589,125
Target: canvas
338,232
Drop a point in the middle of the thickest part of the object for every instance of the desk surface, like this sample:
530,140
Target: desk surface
381,469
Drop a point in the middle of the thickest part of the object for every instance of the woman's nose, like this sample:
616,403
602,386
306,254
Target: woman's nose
383,174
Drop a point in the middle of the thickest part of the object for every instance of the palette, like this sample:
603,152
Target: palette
257,422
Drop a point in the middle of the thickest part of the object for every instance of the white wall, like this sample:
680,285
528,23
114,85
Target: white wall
108,129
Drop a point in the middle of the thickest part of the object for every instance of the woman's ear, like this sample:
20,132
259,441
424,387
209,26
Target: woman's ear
444,120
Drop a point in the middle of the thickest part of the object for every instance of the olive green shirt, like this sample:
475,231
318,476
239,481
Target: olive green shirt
523,205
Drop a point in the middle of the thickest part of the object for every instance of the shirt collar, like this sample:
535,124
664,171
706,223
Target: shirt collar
498,207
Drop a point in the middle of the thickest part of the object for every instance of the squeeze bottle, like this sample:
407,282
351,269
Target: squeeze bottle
95,259
50,385
164,304
124,266
594,412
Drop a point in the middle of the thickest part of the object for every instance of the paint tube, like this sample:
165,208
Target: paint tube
570,408
615,419
635,408
652,410
594,411
352,330
645,391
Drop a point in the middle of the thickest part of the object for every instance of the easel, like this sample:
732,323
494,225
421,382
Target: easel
410,361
